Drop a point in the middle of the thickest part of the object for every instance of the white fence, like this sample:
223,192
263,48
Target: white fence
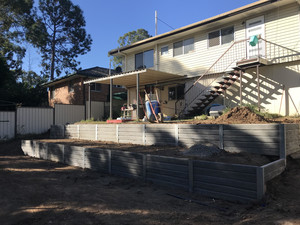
34,120
7,125
37,120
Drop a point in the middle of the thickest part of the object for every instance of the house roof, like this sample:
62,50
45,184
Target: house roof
94,72
146,76
239,13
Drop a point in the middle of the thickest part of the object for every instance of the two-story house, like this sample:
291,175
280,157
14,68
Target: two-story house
249,55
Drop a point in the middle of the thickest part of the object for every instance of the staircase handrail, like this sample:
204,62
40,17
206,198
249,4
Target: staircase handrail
206,73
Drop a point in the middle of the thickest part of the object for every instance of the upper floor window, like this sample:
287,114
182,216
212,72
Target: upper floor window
183,47
71,86
144,59
220,37
164,50
95,87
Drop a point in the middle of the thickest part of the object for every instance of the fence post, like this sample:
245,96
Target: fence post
144,134
176,134
191,175
145,167
96,132
117,133
282,138
221,136
78,132
109,161
260,183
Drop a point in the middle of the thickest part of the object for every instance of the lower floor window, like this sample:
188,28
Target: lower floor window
176,93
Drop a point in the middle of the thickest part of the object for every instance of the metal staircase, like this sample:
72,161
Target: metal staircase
218,88
227,69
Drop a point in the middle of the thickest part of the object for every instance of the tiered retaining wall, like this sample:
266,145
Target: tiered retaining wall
265,139
218,180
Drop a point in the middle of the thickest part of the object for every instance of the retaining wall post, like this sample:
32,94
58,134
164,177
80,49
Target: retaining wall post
260,183
221,136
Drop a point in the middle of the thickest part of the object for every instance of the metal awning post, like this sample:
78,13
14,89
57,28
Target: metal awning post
137,95
111,99
241,84
90,102
258,87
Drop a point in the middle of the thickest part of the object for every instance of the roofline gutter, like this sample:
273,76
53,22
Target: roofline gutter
118,50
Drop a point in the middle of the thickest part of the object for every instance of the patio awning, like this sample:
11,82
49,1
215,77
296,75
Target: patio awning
146,76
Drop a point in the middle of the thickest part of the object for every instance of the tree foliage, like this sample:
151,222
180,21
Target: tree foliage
60,35
15,16
128,39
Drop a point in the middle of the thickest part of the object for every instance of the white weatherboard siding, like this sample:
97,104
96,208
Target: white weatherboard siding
33,120
273,79
281,27
7,125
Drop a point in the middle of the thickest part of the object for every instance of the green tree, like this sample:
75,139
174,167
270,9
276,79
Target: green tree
15,16
128,39
60,36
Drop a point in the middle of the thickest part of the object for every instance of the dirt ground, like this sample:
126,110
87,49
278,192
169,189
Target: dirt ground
35,191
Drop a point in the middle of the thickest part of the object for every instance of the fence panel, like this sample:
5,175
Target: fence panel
7,125
97,111
68,113
34,120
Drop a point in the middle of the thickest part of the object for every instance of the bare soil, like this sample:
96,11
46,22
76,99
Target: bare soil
35,191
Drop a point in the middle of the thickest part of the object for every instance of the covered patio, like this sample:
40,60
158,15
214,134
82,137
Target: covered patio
135,79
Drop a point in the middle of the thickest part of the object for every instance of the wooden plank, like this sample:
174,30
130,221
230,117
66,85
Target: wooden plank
199,136
238,133
227,182
161,127
170,179
239,144
226,189
225,166
166,166
198,126
261,151
127,154
224,174
171,173
128,168
126,161
282,137
292,127
251,126
166,159
97,150
276,172
198,132
273,139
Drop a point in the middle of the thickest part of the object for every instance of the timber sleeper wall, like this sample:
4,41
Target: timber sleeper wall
219,180
264,139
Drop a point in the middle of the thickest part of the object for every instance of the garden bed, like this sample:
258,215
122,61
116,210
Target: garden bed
228,181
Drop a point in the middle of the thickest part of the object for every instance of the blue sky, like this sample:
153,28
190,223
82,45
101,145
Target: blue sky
107,20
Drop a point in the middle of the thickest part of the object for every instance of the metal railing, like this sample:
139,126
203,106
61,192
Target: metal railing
239,51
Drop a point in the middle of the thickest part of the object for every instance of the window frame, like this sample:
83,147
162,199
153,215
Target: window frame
143,59
220,36
95,85
183,46
176,97
162,53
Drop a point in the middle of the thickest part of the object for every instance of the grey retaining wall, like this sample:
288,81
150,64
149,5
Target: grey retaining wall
265,139
219,180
